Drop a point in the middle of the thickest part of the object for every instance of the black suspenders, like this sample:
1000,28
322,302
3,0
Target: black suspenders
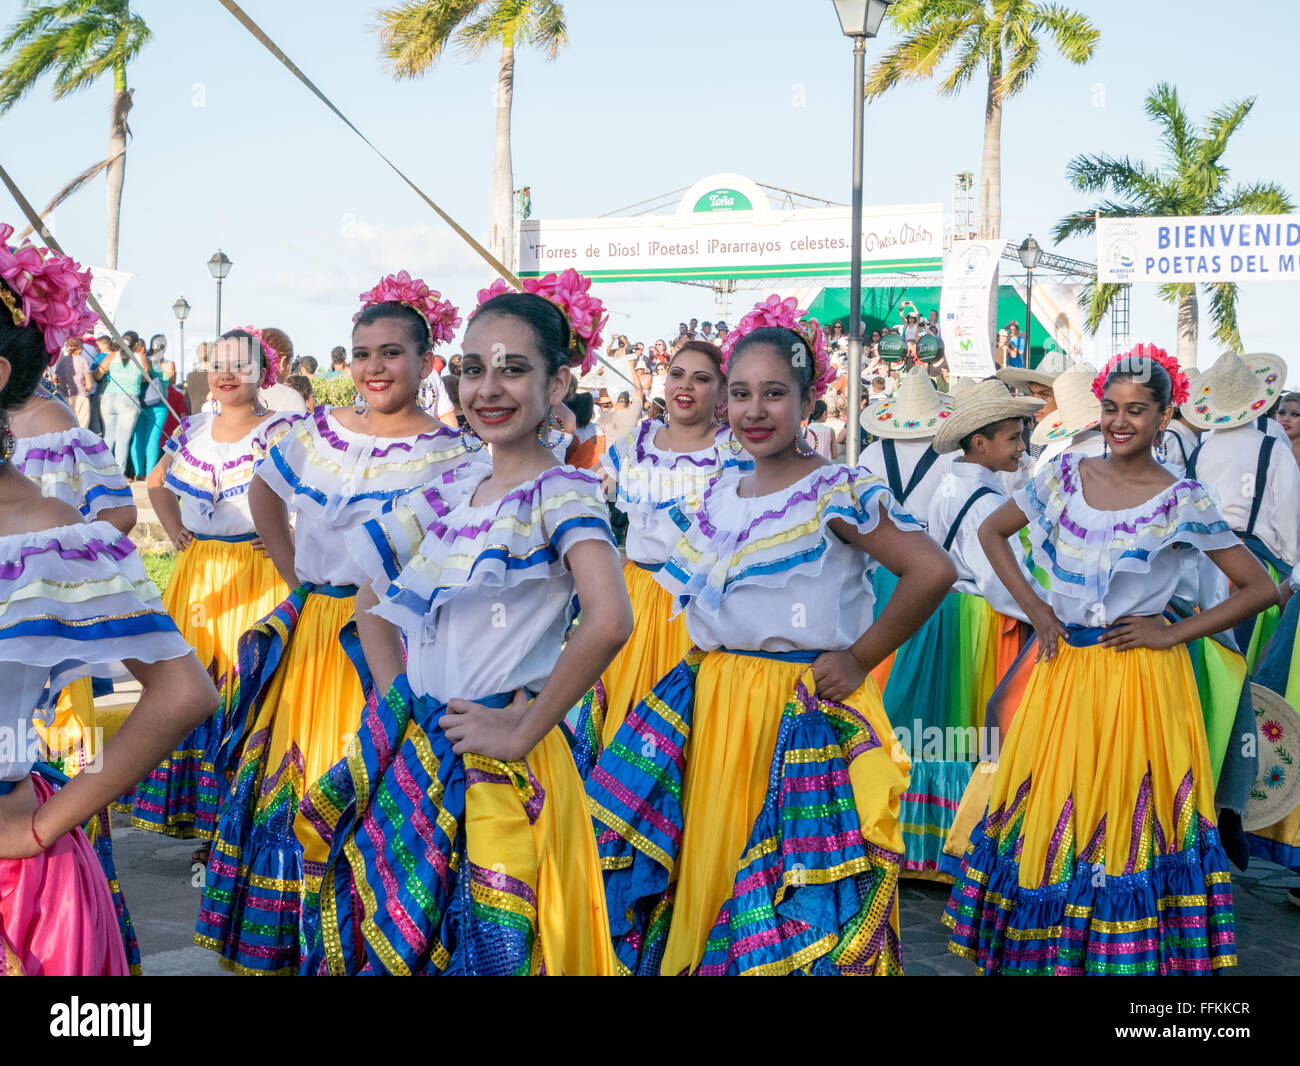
895,477
983,490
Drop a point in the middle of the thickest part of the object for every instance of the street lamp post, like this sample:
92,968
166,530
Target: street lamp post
1030,253
181,310
219,266
859,19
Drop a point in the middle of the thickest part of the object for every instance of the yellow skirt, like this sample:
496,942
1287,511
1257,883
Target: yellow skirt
740,702
217,592
70,738
658,643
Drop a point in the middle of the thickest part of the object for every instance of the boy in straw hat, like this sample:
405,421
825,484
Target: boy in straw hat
1072,425
1259,495
905,425
988,627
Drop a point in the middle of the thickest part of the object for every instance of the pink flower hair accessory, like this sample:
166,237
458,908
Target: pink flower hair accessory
1182,388
570,292
786,314
270,358
46,290
440,316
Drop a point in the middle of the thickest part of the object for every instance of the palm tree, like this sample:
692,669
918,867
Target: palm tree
1001,37
413,35
1192,180
79,40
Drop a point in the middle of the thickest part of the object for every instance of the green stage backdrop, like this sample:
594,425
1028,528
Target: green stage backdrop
880,310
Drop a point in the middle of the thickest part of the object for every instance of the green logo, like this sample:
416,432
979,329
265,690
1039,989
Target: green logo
723,200
927,348
891,348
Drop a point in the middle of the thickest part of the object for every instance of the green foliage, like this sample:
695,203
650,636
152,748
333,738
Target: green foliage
1191,179
78,40
334,392
413,35
159,567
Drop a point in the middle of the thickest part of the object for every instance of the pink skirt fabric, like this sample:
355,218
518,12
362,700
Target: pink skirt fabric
56,911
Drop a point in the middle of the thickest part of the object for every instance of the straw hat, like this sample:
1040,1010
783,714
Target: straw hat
1276,791
1232,393
914,412
1273,366
1077,408
1049,368
958,387
980,404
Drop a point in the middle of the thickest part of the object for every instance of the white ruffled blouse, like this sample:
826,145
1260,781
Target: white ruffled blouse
75,466
481,593
1105,565
211,477
766,573
73,600
334,479
651,479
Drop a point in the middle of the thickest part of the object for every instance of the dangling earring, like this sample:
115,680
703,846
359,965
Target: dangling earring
216,408
1162,450
544,430
7,443
258,409
361,405
471,442
802,447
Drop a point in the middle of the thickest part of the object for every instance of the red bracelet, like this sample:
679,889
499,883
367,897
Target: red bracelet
34,836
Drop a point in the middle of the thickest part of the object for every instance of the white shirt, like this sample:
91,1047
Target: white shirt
1179,442
1106,564
433,396
975,575
909,453
749,586
334,479
1088,444
279,397
476,625
1227,463
650,479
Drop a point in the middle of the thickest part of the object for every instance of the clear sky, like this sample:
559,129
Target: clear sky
230,151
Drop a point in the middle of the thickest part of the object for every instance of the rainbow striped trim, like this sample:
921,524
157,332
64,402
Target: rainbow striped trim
810,894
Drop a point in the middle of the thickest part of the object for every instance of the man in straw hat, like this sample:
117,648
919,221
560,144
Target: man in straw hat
1182,437
1259,495
905,425
1072,425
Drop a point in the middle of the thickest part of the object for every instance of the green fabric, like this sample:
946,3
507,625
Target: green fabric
125,377
880,310
1265,624
975,648
1220,674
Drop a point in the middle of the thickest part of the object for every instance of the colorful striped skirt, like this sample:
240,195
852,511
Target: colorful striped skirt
746,826
220,589
1099,853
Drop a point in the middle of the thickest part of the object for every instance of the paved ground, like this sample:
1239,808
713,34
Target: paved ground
162,887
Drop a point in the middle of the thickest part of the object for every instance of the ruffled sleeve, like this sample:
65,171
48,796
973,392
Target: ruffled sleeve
727,540
76,598
74,466
1081,547
524,536
323,473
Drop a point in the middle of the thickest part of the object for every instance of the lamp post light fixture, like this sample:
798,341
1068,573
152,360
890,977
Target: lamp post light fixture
1030,253
219,266
859,19
181,309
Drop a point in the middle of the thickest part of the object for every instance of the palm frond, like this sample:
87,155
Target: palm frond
915,57
546,27
1084,221
1020,67
71,187
1258,198
1223,313
414,35
1076,38
974,57
1164,107
1220,127
1096,300
1125,177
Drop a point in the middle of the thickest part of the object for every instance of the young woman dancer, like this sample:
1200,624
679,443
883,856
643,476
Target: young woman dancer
1099,852
224,582
73,596
71,464
462,766
747,810
648,470
300,694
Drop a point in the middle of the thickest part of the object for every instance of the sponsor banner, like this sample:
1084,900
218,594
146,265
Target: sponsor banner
1199,249
107,287
967,307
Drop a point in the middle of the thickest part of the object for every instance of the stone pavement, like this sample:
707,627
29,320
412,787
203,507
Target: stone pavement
162,887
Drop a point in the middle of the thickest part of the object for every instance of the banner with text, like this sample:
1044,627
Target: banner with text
751,242
1195,249
967,307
